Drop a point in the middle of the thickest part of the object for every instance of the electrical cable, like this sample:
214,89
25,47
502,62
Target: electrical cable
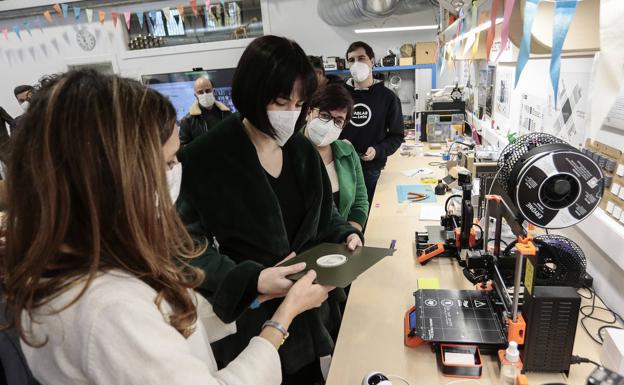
448,200
575,360
480,228
437,164
507,244
607,324
391,376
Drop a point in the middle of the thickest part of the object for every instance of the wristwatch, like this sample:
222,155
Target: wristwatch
279,327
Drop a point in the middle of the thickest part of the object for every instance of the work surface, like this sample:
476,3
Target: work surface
371,335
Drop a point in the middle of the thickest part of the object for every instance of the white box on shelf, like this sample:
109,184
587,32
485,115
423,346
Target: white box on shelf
620,170
610,207
612,353
615,189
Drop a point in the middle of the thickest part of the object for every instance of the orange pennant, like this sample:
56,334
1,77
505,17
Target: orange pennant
57,8
114,16
102,15
48,16
180,7
194,7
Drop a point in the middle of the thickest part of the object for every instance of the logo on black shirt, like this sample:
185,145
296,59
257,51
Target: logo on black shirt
361,115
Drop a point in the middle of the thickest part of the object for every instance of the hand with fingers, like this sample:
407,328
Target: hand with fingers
369,154
353,241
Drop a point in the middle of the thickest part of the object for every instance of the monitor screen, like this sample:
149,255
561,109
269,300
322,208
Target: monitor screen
178,87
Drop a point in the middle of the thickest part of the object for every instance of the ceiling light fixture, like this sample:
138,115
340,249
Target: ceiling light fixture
480,28
397,29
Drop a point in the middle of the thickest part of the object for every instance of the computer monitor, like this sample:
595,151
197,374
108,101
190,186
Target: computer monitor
178,87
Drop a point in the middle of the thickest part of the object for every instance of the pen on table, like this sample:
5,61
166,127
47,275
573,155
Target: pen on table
393,244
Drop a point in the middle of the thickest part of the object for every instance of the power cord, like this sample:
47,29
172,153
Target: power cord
575,360
589,314
448,200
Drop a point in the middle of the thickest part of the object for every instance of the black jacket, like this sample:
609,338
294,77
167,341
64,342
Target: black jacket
377,122
194,124
226,196
6,123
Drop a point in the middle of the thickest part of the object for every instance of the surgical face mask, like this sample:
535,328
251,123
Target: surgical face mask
359,71
25,105
206,100
174,181
283,122
322,133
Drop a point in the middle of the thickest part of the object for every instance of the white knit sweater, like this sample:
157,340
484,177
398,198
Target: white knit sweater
115,334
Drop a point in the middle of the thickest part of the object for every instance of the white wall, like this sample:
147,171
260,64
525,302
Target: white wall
54,48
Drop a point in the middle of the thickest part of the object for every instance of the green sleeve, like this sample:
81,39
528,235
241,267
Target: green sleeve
359,209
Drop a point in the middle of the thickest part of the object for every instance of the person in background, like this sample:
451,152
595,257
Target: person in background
91,285
321,76
22,95
205,113
257,189
6,123
376,126
330,108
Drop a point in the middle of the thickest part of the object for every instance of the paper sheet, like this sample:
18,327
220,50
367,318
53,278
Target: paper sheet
431,212
459,359
417,171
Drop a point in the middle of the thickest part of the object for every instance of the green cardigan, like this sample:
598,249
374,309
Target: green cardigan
226,198
353,203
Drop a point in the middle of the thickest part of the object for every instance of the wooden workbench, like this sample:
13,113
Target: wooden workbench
371,335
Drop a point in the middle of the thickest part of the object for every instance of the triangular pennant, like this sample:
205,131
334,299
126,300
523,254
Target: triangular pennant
152,16
530,9
102,16
114,17
57,8
475,47
492,30
5,32
207,6
48,16
564,13
140,18
473,24
89,13
176,18
127,16
38,23
167,13
77,13
505,28
65,9
27,27
180,8
17,31
193,4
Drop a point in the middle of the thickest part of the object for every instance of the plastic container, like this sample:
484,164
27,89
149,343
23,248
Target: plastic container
509,366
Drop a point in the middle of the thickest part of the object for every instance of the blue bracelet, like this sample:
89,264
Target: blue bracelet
255,304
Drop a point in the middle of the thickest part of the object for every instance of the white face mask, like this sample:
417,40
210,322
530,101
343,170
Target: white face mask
360,71
322,133
283,122
174,181
25,105
206,100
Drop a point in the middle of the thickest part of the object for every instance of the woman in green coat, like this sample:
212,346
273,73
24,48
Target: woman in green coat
330,107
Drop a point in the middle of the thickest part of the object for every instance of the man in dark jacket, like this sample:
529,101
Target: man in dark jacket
204,114
6,123
376,126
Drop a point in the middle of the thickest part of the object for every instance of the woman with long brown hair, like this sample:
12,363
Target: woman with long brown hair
91,285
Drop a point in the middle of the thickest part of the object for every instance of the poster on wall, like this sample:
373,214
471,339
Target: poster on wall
615,119
571,116
486,90
531,113
503,87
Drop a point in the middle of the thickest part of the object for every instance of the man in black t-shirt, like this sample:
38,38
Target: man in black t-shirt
204,114
376,126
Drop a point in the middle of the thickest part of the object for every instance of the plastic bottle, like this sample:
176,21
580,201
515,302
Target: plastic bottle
509,369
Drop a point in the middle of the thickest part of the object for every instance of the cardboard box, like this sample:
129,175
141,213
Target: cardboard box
406,61
425,52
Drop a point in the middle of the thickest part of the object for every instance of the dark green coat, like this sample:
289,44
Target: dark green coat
353,202
226,197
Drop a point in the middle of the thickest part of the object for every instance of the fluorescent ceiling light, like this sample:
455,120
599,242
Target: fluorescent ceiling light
480,28
397,29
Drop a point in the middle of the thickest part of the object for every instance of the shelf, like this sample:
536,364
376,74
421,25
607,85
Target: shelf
432,67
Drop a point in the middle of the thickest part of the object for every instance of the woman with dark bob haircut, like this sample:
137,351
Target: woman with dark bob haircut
257,190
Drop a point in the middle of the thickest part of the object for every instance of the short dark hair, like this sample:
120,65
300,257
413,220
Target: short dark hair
360,44
267,70
332,97
317,62
23,88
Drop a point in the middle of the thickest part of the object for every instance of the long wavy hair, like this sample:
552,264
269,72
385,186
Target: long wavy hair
87,193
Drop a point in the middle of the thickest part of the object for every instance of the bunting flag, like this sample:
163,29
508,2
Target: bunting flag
475,47
609,76
27,27
102,16
127,16
505,28
89,13
207,6
530,8
492,30
460,27
564,13
177,19
57,8
5,32
17,32
114,17
140,16
65,9
180,8
77,13
473,25
48,16
151,20
194,7
38,23
167,13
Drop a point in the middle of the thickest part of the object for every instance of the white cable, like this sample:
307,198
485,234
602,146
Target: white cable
398,377
460,381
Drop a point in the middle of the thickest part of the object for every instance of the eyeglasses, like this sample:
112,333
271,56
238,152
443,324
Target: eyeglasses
325,117
206,91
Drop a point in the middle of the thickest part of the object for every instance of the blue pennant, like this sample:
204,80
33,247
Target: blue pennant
140,16
77,12
530,8
564,13
65,9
